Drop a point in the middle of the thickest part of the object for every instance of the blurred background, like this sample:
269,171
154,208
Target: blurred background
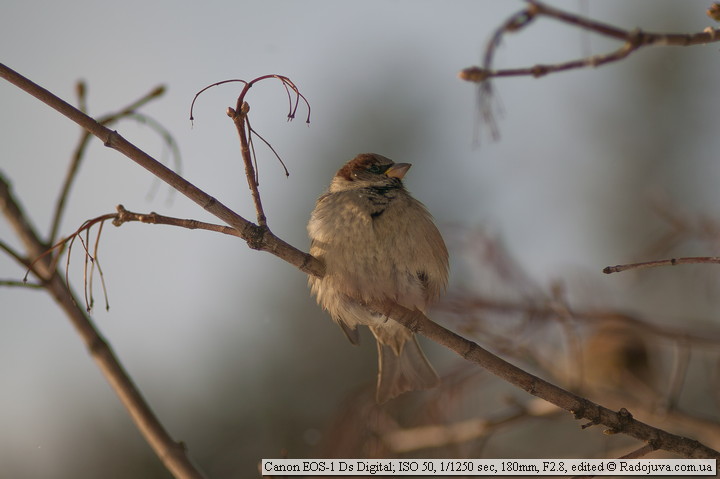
592,168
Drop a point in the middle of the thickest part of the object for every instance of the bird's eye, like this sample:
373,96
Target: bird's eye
375,169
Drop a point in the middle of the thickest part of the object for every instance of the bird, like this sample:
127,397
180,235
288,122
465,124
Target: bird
378,244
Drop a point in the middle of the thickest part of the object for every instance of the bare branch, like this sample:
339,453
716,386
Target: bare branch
122,216
99,268
170,143
239,117
81,91
662,262
682,226
192,104
9,249
632,41
289,86
581,408
257,238
125,216
399,441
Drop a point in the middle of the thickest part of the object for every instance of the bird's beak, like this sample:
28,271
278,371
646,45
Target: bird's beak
398,170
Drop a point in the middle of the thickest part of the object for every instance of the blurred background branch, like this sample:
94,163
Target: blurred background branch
633,40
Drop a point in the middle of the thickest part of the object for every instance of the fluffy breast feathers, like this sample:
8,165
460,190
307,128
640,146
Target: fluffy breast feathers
378,245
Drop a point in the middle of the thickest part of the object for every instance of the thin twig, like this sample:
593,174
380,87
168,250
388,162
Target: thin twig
153,218
9,249
197,95
122,216
82,144
662,262
254,132
87,289
289,86
239,117
633,40
81,92
99,268
20,284
253,154
167,138
125,216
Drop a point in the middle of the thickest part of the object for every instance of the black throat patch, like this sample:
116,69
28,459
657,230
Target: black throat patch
380,197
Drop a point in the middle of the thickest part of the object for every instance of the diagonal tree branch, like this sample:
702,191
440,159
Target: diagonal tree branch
171,453
262,239
257,237
581,408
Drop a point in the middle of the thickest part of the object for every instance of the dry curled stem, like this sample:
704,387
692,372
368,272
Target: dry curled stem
241,119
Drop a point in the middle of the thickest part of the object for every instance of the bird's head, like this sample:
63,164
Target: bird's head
369,170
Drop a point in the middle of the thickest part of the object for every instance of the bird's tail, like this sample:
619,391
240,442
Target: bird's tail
407,371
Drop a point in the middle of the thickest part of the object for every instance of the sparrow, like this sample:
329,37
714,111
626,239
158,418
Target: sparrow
378,243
